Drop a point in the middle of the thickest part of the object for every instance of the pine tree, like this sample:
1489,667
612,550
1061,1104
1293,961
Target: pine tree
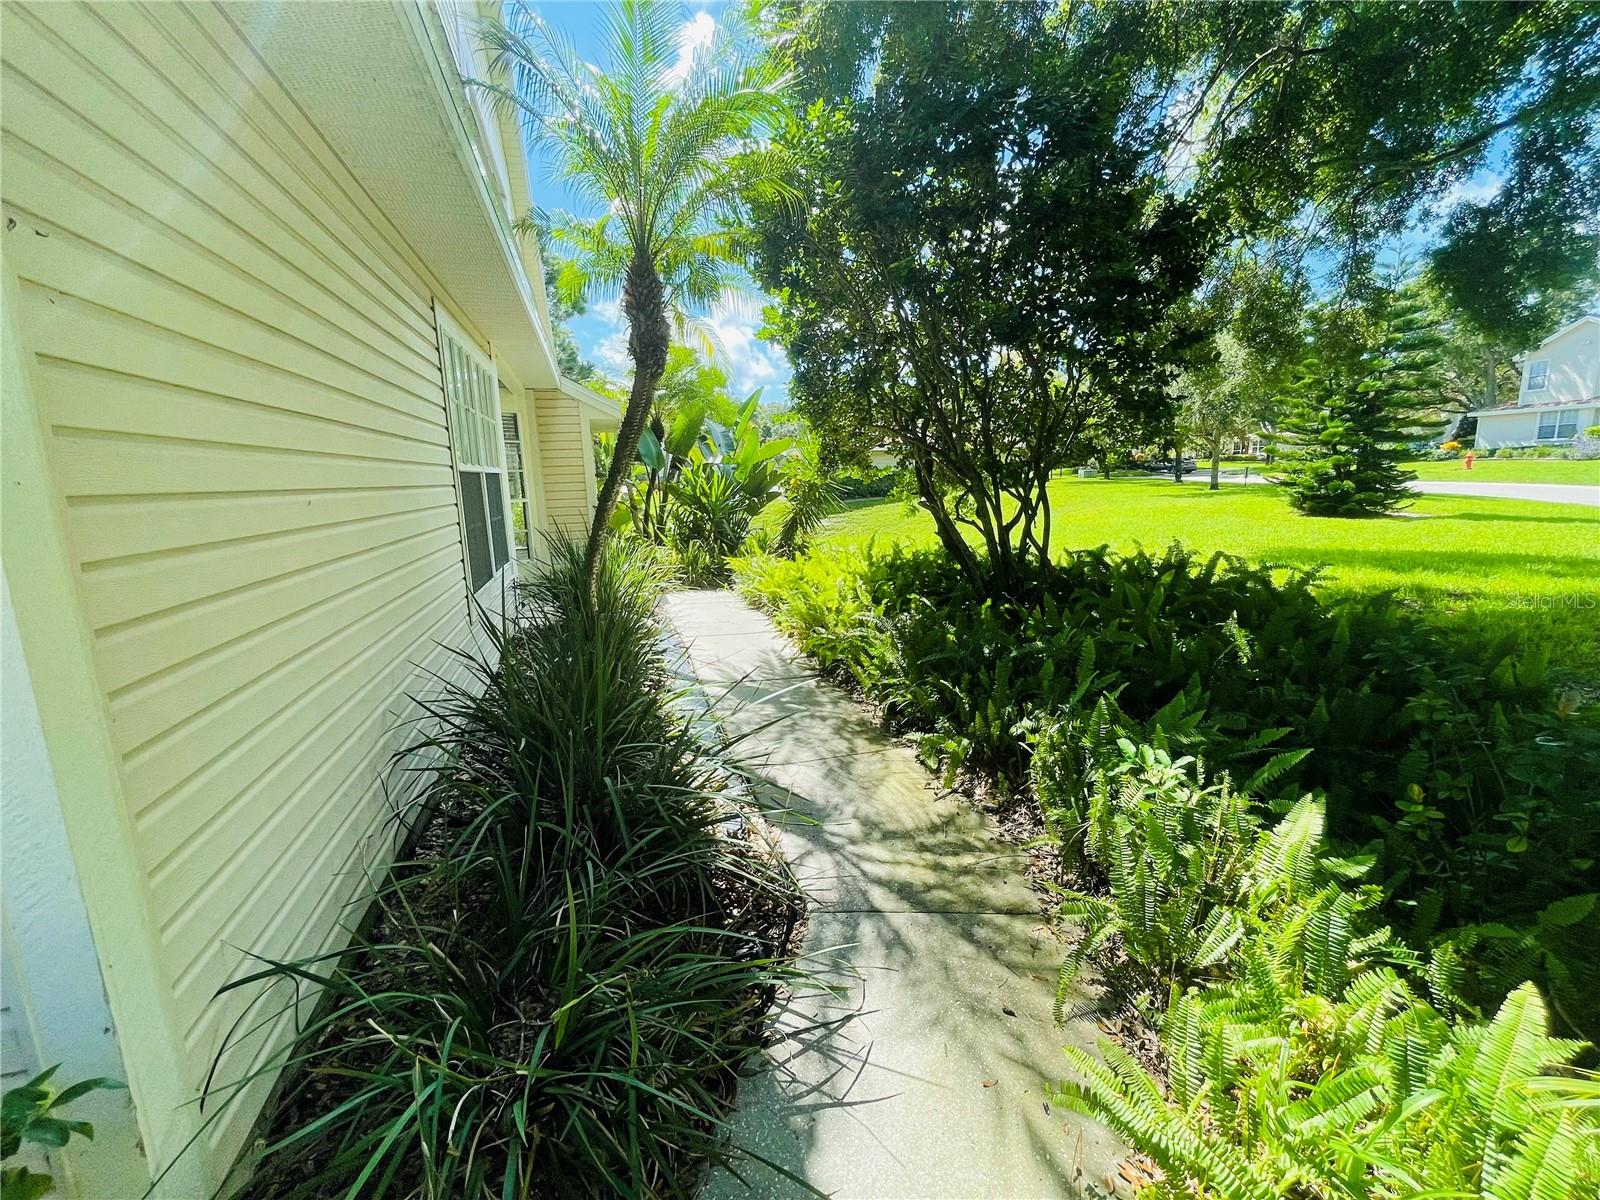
1354,404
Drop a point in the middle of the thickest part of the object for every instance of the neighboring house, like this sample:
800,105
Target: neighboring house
280,408
1560,393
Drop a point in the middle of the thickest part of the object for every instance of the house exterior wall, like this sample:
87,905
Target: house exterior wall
1573,359
567,462
237,547
1515,425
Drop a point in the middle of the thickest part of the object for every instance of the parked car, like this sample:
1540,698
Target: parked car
1163,466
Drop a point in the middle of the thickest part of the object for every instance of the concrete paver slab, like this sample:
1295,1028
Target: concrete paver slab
925,1076
922,1073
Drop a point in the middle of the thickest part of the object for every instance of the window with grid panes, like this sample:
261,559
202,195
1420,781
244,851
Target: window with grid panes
469,388
517,485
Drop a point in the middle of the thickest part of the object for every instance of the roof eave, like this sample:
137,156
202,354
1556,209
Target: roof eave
602,413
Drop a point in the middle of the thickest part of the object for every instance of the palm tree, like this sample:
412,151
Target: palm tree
664,144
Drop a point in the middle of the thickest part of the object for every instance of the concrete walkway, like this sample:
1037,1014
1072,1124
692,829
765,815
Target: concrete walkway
923,1073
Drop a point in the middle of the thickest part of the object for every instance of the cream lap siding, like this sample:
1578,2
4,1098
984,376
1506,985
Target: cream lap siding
566,463
238,372
1571,362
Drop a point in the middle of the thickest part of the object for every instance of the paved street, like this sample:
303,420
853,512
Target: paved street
1552,493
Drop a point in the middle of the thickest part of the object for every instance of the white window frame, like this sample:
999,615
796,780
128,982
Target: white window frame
517,497
472,404
1539,375
1557,425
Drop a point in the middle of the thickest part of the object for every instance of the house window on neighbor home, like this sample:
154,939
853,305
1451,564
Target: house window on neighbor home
1539,375
517,485
1554,426
469,388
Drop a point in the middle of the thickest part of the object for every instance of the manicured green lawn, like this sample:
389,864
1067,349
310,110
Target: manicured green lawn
1481,567
1516,470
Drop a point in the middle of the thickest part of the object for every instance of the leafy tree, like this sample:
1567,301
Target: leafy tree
984,262
1477,370
1366,374
1523,263
564,303
1326,126
1222,399
1255,306
661,153
1304,132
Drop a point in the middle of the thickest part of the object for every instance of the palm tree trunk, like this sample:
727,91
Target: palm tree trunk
649,335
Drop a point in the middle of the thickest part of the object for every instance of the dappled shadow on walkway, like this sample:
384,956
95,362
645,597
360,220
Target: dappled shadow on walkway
918,1066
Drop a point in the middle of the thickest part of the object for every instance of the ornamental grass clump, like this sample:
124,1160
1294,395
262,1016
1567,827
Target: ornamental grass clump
556,990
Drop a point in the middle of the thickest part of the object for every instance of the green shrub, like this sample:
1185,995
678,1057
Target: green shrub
707,520
821,601
31,1112
556,998
1475,773
1277,1093
1144,628
1299,1061
873,483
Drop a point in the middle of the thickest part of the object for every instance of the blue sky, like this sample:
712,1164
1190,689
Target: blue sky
749,361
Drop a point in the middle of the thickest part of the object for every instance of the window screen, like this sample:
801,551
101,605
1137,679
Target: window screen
1558,425
480,559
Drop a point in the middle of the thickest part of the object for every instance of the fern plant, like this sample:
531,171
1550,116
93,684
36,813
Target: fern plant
1279,1094
1191,870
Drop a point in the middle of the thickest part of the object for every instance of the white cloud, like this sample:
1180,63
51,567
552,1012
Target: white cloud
733,322
1475,189
695,34
611,355
749,361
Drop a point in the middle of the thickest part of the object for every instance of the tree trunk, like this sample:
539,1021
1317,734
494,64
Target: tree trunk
649,336
1216,464
949,534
